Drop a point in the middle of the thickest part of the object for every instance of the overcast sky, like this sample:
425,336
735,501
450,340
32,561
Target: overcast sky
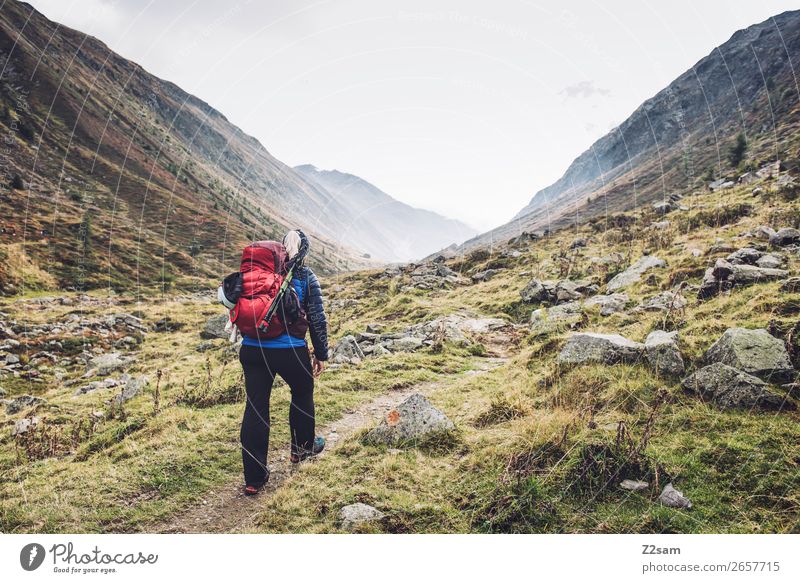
462,107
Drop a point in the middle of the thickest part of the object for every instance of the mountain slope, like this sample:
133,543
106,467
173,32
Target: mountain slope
114,176
679,138
394,230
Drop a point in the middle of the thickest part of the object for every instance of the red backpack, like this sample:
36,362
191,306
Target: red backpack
262,270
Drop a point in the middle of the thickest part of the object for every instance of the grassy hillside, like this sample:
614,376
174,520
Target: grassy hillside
111,175
537,447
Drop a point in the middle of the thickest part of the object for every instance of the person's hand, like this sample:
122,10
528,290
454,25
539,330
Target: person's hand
317,366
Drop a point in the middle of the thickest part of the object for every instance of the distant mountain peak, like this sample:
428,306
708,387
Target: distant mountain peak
384,227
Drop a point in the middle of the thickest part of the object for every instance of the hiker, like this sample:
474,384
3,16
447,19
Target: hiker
280,348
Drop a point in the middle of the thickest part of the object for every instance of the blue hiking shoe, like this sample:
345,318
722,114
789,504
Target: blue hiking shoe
316,448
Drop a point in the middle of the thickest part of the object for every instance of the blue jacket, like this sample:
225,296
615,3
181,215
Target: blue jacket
312,302
309,293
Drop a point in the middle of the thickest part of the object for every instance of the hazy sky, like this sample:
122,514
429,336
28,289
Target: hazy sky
463,107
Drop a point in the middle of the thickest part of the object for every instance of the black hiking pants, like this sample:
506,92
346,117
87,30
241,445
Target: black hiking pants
260,367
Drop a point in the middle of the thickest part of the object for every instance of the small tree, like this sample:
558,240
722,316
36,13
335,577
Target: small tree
737,150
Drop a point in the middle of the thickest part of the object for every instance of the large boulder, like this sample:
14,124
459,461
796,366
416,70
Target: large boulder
215,327
663,354
414,419
588,347
754,351
354,515
730,388
347,351
634,272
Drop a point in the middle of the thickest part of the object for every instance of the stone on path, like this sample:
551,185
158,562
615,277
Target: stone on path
414,419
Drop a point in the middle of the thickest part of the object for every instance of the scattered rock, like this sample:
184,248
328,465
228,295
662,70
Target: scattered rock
354,515
784,237
609,304
105,364
414,419
791,285
634,485
770,170
578,243
485,275
764,232
545,320
729,388
754,351
674,498
588,347
537,291
215,327
614,258
133,385
634,272
14,406
725,275
770,261
434,275
97,385
167,324
12,359
347,351
556,292
24,425
745,256
663,353
404,344
207,345
721,184
663,302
